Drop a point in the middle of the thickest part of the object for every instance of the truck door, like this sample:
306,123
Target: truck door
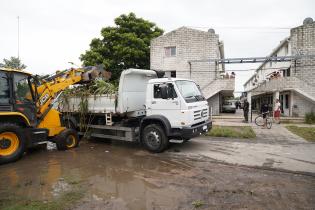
170,108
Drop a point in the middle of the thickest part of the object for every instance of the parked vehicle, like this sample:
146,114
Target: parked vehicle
147,109
229,106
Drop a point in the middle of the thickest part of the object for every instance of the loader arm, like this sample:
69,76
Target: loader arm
50,87
48,90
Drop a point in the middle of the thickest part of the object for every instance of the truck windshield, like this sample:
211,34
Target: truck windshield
189,91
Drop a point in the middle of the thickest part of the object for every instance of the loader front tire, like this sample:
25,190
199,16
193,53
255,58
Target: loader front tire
12,143
67,139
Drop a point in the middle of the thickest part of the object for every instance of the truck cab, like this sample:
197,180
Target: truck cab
182,103
169,108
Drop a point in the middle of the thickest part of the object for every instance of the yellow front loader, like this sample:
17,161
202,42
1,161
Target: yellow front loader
27,116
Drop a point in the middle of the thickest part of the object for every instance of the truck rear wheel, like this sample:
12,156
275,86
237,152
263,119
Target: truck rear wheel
154,138
67,139
12,143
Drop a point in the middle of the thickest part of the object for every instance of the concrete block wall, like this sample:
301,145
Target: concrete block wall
302,41
301,105
214,103
190,44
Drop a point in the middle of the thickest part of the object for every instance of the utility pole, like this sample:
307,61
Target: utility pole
18,50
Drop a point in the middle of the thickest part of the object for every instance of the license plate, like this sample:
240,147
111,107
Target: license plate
204,127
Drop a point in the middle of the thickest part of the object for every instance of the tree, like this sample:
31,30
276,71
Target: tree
13,63
126,45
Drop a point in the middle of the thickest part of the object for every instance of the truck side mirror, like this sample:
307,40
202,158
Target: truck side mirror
164,90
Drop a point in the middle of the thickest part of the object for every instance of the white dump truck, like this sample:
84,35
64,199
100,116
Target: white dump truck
148,108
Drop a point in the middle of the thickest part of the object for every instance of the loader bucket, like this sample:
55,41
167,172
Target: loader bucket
94,72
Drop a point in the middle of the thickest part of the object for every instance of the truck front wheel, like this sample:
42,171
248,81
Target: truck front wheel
154,138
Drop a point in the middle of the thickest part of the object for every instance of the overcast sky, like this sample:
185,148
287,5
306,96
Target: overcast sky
54,32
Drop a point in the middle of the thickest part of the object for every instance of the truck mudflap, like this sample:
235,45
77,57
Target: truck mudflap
193,131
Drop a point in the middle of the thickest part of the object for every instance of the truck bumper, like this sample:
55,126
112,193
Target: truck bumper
190,132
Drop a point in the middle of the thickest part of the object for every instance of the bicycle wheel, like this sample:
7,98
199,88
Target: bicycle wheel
259,120
269,123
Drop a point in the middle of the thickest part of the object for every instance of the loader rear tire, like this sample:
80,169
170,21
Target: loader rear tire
12,143
67,139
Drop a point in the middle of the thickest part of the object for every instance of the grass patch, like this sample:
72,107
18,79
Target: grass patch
197,203
232,131
307,133
65,201
310,118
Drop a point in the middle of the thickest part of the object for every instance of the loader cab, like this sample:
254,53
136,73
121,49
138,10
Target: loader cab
18,94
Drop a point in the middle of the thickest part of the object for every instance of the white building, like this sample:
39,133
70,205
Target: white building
292,82
179,53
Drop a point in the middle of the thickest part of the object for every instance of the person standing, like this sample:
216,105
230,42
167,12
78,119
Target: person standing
277,111
246,110
264,109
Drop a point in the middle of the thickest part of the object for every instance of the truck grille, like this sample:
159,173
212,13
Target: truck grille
198,114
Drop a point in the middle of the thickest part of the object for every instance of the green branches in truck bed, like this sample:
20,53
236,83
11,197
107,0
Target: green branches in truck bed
101,87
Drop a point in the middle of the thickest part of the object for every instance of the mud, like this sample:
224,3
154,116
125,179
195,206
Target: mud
123,176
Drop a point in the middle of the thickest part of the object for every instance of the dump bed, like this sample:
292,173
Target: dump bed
95,104
130,98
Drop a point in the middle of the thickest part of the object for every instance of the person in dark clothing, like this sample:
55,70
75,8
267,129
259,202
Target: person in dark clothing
236,104
264,111
246,110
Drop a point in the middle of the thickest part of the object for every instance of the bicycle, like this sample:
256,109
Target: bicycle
259,120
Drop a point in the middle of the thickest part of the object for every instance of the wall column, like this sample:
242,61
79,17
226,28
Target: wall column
249,99
291,104
276,95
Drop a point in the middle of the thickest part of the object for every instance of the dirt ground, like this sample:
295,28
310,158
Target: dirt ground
100,175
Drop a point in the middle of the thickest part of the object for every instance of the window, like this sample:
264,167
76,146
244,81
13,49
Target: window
281,103
170,51
288,72
4,88
173,74
157,91
22,89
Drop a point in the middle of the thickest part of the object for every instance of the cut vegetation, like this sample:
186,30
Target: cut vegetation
232,131
307,133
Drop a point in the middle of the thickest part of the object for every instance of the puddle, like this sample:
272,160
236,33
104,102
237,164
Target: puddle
110,173
124,176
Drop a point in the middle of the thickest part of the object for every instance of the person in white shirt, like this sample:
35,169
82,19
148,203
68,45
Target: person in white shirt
277,111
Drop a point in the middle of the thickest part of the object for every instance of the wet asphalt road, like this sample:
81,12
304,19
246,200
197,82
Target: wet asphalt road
295,156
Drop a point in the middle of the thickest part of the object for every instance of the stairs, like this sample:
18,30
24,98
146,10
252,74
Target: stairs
217,85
